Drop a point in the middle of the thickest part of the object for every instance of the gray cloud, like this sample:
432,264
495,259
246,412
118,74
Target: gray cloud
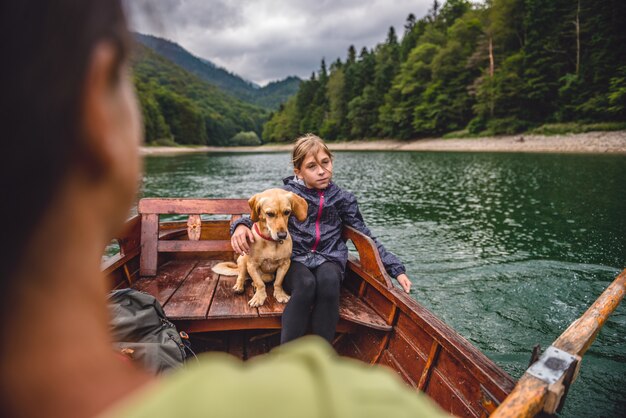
266,40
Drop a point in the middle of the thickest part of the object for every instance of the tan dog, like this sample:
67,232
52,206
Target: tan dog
270,253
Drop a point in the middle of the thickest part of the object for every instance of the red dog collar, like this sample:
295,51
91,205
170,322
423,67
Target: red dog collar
265,237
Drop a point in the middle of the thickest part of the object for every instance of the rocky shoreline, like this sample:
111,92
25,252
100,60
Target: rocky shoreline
590,142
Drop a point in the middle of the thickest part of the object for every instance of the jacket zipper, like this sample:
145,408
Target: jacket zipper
317,222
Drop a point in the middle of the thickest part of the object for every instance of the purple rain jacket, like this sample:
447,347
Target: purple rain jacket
318,238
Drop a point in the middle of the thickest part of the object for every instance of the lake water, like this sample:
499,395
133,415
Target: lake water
508,249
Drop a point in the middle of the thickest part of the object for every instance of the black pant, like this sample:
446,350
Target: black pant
314,294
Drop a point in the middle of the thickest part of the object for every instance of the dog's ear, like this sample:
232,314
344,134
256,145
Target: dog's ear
298,206
254,203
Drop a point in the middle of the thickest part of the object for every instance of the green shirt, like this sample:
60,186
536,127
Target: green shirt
304,378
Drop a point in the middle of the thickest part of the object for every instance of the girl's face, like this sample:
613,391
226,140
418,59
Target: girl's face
316,170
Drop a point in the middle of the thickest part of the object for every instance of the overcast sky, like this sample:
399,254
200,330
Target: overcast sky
266,40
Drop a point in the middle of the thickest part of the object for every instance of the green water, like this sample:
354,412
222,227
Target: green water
508,249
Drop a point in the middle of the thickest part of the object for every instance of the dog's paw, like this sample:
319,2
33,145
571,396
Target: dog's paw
281,296
238,288
257,300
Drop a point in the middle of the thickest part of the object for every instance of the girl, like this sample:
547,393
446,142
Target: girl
319,254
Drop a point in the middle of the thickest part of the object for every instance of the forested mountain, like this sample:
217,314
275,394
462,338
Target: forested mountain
502,66
270,96
179,106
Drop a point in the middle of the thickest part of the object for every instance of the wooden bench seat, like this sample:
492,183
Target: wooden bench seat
199,300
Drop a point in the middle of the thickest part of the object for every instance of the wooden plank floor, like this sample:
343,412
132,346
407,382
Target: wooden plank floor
189,290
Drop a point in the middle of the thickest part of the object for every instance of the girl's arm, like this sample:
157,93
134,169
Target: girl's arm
240,234
351,216
244,220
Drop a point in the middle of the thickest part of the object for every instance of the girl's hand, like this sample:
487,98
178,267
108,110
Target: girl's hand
240,238
404,281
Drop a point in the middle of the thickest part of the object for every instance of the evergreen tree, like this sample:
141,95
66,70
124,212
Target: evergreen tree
396,115
363,107
304,101
337,106
387,65
545,54
446,104
319,106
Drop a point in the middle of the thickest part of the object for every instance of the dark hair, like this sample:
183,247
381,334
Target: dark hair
45,47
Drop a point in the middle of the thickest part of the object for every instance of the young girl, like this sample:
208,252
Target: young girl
319,254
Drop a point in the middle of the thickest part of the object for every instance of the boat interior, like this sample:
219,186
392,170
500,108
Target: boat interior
379,323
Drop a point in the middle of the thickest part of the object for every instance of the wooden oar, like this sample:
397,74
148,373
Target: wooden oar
544,385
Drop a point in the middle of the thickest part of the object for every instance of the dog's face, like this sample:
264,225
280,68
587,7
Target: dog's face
273,208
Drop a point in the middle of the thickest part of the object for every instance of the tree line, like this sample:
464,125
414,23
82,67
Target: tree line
503,66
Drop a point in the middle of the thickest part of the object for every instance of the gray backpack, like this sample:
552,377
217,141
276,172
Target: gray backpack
141,330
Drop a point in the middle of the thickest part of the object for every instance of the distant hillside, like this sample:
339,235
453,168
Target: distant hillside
277,92
270,96
180,106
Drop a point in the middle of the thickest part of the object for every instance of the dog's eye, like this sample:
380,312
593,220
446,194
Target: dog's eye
270,214
287,212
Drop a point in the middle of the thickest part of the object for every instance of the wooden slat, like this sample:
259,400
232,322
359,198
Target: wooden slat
432,360
130,237
447,397
112,263
227,304
414,335
380,304
227,324
271,306
171,275
194,206
390,361
407,355
149,238
354,310
215,230
193,246
368,341
193,297
117,261
457,376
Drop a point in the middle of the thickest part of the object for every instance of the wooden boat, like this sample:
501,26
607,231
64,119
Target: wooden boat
379,324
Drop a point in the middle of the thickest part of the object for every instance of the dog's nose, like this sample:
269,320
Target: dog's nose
282,235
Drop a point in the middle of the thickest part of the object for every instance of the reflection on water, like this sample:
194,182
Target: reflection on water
506,248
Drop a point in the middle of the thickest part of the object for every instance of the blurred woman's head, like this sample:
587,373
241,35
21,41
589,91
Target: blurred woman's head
67,110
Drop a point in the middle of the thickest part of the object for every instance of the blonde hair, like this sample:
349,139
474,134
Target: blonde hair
305,145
